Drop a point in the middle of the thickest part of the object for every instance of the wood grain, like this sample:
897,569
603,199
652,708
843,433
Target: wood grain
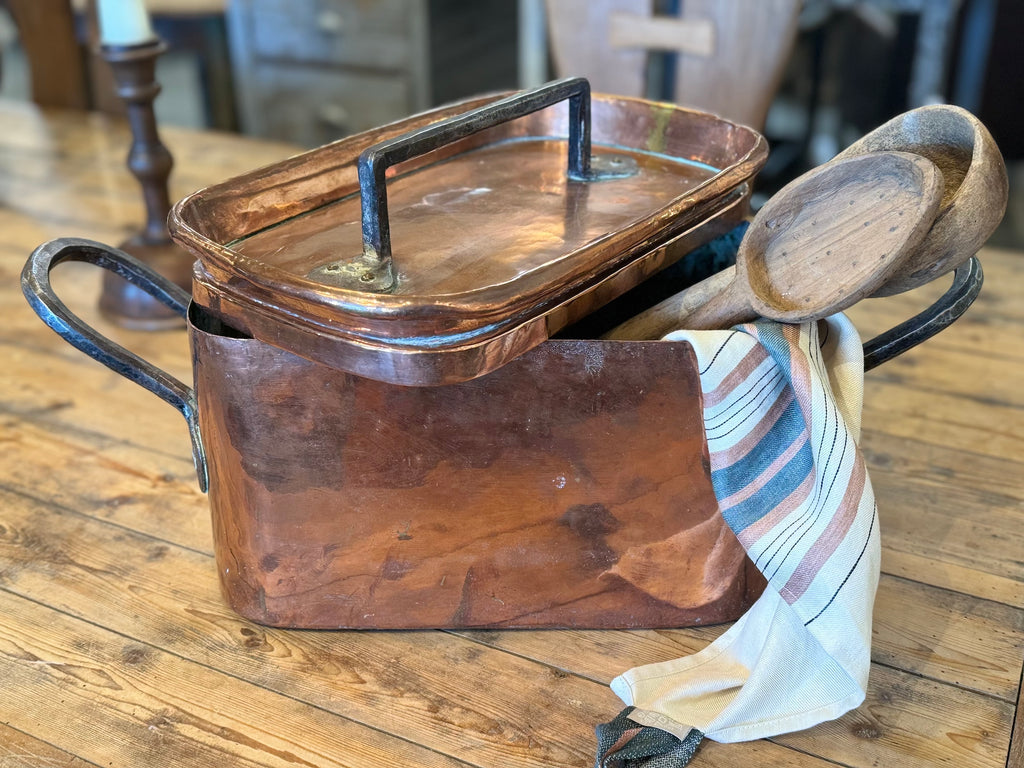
976,185
19,750
159,710
907,722
151,590
107,574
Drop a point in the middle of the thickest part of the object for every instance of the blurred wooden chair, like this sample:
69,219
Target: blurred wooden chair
59,38
55,58
729,54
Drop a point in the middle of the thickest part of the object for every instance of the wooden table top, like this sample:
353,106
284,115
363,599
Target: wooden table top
117,650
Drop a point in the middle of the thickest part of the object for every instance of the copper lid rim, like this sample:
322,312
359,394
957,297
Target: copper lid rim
473,324
239,270
234,267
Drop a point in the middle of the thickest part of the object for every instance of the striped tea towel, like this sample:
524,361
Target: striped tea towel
782,410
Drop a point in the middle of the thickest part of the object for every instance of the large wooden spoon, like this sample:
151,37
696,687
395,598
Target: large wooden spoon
975,195
820,244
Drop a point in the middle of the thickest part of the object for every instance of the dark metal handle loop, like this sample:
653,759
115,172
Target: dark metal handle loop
374,270
374,161
36,285
952,304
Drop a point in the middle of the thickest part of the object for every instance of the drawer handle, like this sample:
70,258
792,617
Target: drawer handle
330,22
334,115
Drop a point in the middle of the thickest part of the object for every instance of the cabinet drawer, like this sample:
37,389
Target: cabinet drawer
365,33
316,106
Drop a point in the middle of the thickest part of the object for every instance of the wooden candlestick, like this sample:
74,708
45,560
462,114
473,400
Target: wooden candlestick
150,162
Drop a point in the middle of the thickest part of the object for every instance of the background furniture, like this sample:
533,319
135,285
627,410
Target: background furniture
58,40
311,71
56,62
726,56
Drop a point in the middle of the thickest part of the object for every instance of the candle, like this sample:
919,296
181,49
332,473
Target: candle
124,22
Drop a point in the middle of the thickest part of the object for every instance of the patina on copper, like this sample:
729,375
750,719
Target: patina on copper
494,243
568,488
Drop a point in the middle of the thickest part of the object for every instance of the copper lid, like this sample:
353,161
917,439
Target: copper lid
495,228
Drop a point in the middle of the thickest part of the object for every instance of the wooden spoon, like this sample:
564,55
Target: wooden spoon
973,203
823,242
975,194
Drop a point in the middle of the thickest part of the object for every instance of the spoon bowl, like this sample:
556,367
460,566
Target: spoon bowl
975,186
828,239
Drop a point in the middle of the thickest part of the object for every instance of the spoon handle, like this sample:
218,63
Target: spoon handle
675,311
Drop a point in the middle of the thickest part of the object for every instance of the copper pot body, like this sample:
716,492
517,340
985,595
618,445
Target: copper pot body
424,455
569,488
415,450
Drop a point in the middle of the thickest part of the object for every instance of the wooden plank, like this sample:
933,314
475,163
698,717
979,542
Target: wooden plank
938,419
971,643
393,681
980,331
957,373
117,482
921,518
989,479
956,578
123,702
963,641
945,727
19,750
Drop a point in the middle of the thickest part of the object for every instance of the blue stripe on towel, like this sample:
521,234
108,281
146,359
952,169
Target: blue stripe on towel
774,492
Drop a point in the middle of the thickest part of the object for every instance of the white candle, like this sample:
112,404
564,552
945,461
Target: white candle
124,22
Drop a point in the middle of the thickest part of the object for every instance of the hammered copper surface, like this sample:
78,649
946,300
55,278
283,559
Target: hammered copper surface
569,488
489,236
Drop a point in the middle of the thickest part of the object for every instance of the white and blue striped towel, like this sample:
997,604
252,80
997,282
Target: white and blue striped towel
782,408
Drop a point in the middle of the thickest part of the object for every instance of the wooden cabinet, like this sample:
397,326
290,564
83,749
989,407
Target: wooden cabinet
311,71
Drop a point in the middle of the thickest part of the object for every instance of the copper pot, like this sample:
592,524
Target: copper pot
394,441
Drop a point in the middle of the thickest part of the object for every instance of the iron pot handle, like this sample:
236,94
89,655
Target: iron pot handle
36,285
374,270
967,280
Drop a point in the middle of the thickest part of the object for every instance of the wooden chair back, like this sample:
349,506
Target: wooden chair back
729,54
54,56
